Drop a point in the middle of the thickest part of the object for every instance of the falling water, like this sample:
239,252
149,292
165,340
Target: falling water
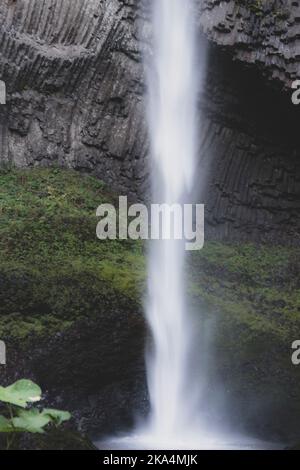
176,414
172,104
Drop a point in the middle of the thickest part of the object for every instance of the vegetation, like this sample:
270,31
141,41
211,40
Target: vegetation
19,416
250,296
55,273
254,285
53,269
258,7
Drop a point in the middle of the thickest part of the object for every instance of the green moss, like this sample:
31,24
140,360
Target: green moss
61,438
53,269
253,285
258,8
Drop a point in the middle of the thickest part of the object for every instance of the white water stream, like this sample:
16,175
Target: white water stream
175,415
172,122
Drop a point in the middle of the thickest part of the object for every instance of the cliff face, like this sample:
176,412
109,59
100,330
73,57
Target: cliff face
265,33
249,155
253,185
74,91
75,98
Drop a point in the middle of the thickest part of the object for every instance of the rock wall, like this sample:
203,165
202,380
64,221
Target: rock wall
75,98
265,33
252,142
250,155
74,89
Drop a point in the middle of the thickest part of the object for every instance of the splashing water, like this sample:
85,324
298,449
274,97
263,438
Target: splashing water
172,104
175,420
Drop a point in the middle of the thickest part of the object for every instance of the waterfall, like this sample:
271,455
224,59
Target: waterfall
172,123
176,419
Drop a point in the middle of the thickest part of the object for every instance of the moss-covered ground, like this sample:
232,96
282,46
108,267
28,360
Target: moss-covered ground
55,273
253,293
54,270
253,285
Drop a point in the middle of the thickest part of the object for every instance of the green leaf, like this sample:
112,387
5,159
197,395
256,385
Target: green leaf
57,416
31,421
5,425
21,393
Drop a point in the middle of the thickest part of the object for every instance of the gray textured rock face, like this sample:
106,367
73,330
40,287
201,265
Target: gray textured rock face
250,156
260,32
75,98
74,91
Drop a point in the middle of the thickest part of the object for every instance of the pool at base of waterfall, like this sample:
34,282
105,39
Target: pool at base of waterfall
144,441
